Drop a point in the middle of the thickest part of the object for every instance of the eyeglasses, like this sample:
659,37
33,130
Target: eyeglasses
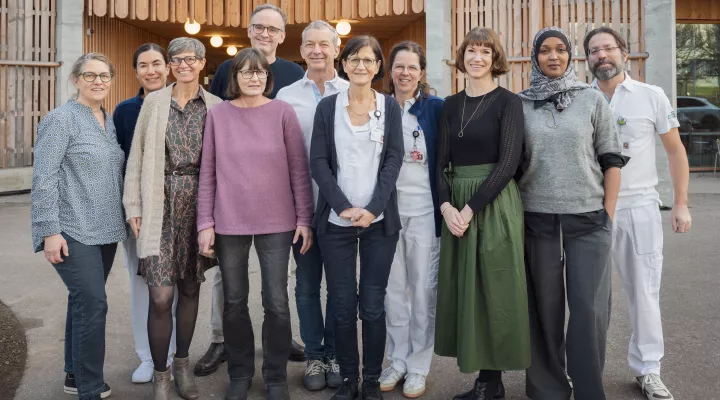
608,49
410,68
189,60
367,62
91,76
248,73
259,29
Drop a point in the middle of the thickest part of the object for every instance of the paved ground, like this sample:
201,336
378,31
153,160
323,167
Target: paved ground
690,301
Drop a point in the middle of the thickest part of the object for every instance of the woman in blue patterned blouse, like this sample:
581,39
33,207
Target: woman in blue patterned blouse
77,215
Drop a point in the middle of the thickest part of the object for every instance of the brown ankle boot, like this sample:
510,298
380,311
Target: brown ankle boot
162,386
184,379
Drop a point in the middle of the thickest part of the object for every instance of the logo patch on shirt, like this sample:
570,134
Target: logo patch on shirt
622,121
672,115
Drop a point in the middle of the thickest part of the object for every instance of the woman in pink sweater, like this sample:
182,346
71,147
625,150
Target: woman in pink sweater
254,186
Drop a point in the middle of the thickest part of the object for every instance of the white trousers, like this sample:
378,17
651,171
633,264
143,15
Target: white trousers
637,255
139,304
412,295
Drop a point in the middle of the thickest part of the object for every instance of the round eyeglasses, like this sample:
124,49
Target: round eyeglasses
189,60
259,29
248,74
91,76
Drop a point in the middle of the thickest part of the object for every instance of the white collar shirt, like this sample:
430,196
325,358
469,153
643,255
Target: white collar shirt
641,111
304,97
413,184
358,151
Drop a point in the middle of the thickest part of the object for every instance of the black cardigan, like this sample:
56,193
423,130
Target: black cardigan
323,167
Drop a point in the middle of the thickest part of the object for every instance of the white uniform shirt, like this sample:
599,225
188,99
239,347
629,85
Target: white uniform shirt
358,151
413,184
641,111
304,97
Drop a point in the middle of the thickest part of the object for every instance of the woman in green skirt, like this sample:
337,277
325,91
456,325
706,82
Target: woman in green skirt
482,314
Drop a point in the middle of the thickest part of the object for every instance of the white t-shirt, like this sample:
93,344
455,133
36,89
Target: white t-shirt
304,97
358,151
641,111
413,184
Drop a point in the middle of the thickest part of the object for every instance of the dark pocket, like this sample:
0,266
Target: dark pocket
574,225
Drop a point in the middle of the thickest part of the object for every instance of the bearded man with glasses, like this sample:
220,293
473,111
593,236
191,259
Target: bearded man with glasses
266,32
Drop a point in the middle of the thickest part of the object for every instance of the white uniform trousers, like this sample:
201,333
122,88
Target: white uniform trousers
412,295
139,303
637,254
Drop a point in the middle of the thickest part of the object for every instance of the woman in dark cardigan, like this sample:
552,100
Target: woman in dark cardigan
355,159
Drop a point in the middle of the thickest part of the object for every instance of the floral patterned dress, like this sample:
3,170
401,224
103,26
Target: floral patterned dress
179,250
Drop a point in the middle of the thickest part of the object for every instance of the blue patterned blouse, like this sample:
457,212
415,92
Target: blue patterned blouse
77,178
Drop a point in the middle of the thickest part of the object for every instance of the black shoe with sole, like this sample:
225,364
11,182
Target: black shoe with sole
347,391
70,387
297,352
371,390
212,359
238,389
481,391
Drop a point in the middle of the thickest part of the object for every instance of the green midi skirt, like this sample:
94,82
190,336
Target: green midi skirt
482,310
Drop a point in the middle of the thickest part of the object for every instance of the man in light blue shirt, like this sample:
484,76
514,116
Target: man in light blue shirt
319,49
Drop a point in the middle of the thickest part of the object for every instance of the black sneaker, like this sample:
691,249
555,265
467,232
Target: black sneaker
71,388
371,390
347,391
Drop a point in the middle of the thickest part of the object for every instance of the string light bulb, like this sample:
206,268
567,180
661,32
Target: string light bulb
232,50
192,27
216,41
343,27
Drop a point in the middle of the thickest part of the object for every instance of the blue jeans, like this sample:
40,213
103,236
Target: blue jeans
339,246
84,273
317,334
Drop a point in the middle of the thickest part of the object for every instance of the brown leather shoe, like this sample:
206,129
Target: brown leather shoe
162,385
184,379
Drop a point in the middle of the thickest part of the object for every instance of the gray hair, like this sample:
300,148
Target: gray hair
264,7
84,59
183,44
320,24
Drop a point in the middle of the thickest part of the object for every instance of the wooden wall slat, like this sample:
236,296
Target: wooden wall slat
201,15
100,7
397,5
142,9
24,139
181,10
289,7
218,12
122,8
3,81
233,13
162,10
418,6
12,83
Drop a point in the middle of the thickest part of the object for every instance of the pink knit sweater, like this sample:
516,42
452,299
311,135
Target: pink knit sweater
254,176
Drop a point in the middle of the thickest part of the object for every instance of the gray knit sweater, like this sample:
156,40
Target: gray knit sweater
562,174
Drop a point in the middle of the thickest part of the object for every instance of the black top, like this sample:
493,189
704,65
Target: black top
323,167
284,72
494,135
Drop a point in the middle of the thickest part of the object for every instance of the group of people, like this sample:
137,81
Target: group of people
470,231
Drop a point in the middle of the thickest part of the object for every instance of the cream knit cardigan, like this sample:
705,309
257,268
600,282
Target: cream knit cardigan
144,194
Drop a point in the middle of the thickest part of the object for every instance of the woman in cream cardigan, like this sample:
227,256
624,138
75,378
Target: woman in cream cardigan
160,202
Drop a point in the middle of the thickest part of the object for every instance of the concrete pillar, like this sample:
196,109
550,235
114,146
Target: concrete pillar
69,39
438,48
660,70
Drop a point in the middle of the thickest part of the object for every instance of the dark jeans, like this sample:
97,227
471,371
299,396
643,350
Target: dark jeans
317,334
84,273
273,251
568,252
339,246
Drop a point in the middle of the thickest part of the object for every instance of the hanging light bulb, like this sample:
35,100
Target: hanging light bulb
216,41
192,28
343,27
231,50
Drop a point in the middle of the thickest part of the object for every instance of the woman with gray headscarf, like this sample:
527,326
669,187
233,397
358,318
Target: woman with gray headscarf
569,186
160,199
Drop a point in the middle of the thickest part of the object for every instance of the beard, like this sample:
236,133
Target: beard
605,74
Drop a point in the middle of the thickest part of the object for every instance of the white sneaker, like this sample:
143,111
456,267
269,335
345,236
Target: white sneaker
414,386
389,378
653,387
143,373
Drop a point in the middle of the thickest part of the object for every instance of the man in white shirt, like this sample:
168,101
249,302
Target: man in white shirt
641,111
319,49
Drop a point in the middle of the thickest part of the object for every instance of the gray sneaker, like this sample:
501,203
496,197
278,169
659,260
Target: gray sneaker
332,376
314,378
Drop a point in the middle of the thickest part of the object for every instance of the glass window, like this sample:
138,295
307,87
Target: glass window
698,87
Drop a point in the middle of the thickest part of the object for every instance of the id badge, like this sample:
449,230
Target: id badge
377,135
415,156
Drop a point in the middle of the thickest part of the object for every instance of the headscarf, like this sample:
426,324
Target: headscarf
560,91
